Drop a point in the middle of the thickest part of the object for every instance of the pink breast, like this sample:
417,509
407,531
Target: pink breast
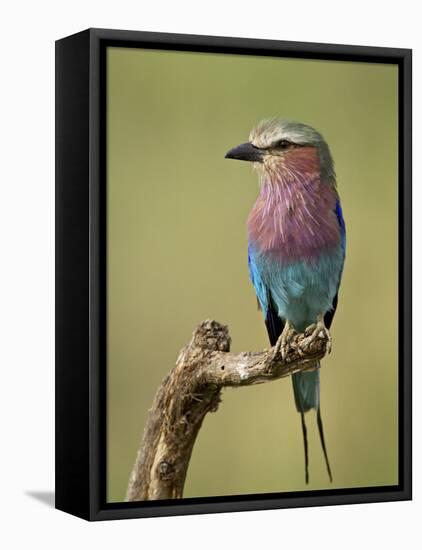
294,217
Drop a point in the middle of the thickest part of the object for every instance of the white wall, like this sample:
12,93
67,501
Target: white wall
27,270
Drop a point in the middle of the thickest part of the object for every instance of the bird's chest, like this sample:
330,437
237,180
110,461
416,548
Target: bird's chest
292,223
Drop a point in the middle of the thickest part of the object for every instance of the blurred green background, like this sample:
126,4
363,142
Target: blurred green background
177,254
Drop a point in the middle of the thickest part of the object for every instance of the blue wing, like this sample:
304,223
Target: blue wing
273,321
259,285
329,316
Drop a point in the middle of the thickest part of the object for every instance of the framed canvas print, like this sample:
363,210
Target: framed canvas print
233,244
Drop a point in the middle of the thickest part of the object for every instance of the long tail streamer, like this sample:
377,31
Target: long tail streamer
322,439
305,446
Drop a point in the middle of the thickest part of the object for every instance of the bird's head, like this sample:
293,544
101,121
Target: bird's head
280,147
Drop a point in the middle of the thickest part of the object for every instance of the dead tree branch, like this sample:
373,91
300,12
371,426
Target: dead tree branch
193,388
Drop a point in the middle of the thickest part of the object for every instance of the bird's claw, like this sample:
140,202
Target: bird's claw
319,330
284,342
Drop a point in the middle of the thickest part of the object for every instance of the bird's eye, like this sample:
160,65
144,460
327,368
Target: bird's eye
283,144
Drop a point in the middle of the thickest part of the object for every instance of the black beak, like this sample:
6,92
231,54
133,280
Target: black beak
246,151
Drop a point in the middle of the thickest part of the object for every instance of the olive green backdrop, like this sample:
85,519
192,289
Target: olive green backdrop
177,254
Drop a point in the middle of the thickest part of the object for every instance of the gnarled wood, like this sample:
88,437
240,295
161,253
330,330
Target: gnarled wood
192,389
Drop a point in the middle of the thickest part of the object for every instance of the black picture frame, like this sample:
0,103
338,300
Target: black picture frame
81,273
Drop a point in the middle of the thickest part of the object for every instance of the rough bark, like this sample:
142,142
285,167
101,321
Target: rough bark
193,388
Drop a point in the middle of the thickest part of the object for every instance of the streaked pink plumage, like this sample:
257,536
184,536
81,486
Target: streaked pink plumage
294,215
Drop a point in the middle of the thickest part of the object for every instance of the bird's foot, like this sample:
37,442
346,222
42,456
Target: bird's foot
284,342
319,330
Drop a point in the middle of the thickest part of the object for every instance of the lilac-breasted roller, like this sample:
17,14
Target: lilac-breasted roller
297,243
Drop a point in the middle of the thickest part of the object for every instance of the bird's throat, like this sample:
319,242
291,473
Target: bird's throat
294,215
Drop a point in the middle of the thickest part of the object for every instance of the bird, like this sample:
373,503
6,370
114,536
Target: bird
296,245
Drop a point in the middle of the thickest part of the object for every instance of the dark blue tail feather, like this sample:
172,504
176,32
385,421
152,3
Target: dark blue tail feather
306,390
306,393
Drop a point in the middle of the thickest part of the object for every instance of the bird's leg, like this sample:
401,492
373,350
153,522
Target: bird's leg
319,330
283,342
